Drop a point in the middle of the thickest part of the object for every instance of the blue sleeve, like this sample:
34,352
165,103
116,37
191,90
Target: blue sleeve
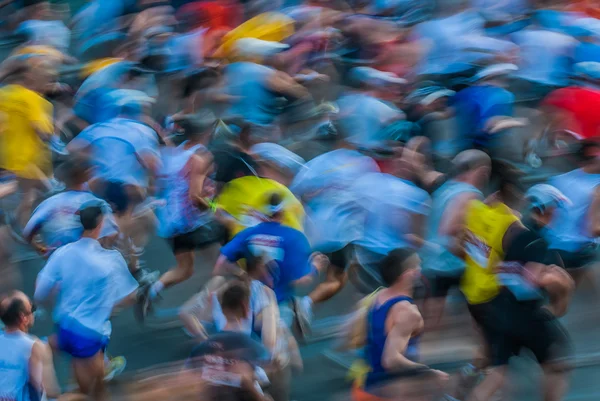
38,218
235,249
298,261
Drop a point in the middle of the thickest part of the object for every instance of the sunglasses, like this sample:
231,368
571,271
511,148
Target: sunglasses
33,309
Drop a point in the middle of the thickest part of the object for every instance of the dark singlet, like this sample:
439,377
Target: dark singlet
376,338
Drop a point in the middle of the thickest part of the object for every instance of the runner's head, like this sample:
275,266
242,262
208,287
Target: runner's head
401,265
16,311
235,301
256,267
508,180
91,217
198,128
542,202
277,162
274,207
74,172
589,154
472,166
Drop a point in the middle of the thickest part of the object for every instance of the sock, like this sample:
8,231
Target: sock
307,304
156,288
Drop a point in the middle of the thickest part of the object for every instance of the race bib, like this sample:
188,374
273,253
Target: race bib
477,250
221,377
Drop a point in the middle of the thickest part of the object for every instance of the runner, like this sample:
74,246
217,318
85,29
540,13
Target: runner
325,188
393,327
574,230
186,218
26,370
56,219
25,135
393,212
203,314
86,301
125,156
504,272
442,254
286,252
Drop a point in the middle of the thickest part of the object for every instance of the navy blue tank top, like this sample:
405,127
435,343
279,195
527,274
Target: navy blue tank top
376,338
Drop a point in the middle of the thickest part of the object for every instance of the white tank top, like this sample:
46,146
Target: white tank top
15,350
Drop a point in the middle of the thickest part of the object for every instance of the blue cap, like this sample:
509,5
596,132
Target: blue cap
587,70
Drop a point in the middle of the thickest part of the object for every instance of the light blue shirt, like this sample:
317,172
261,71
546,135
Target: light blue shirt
57,218
118,148
90,280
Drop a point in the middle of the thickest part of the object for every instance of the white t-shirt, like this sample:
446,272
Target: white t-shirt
91,281
333,218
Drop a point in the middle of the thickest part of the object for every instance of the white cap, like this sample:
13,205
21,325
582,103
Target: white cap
544,195
373,76
495,70
278,155
251,47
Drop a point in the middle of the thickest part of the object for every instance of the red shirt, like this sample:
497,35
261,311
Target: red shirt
214,15
581,107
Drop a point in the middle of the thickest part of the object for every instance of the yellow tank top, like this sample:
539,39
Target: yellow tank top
485,229
244,197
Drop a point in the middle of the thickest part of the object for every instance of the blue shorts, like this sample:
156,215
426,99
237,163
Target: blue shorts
79,346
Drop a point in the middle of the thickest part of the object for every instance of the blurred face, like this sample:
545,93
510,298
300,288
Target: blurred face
413,268
546,216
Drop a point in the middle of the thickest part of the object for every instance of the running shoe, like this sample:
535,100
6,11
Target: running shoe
303,314
114,367
145,277
144,303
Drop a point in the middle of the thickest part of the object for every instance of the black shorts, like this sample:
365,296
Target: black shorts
118,195
441,285
208,234
579,259
509,325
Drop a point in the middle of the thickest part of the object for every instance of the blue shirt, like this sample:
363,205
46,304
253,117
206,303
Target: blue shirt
476,105
285,250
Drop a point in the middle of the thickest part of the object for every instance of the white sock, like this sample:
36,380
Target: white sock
156,288
307,303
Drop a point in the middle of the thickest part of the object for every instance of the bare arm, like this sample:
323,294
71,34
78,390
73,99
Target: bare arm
407,320
287,86
200,166
41,370
453,221
594,214
269,318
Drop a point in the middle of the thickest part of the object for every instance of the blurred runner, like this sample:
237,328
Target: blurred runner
27,128
393,327
286,252
395,211
203,314
124,153
86,301
506,269
325,188
574,229
186,219
26,368
442,252
56,219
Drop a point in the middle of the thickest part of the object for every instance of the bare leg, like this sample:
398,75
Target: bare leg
182,272
334,282
89,374
556,381
492,383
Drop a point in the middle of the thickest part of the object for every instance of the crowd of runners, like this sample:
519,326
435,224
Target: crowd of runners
304,140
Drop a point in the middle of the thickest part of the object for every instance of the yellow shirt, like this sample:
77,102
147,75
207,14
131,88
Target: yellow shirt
485,229
244,197
22,151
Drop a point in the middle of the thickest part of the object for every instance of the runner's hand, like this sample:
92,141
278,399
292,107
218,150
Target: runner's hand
441,378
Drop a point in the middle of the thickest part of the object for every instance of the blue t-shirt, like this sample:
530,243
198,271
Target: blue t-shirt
285,250
476,105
